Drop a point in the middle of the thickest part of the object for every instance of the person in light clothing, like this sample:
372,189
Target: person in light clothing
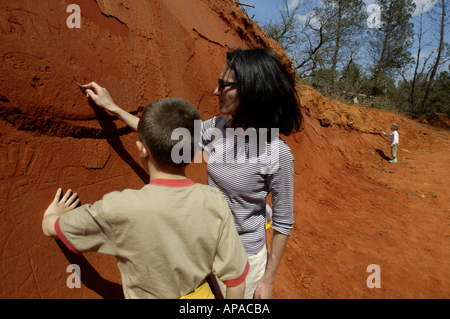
255,91
168,235
394,141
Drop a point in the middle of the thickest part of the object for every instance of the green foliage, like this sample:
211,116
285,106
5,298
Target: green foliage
390,44
439,100
333,51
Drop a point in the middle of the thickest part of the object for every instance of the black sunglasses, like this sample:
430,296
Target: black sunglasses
223,84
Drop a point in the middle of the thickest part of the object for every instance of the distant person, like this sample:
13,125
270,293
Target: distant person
394,141
168,235
256,91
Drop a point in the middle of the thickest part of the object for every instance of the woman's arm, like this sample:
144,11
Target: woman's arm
281,186
264,290
101,98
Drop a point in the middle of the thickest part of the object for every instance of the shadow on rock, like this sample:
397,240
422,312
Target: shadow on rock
91,278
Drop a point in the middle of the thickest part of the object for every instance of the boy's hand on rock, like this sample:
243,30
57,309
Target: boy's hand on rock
62,205
100,96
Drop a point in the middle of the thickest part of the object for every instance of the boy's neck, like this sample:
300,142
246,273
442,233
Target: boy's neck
166,173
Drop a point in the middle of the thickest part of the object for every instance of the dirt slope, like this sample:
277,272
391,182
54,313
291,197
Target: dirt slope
353,208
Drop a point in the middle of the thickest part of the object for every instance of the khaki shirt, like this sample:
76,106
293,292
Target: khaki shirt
166,237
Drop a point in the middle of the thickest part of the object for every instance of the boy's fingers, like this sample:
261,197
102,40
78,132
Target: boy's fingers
58,195
71,199
66,196
74,204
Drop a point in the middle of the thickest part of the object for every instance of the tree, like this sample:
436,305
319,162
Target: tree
442,9
440,93
347,23
390,44
352,78
298,33
315,33
418,76
285,28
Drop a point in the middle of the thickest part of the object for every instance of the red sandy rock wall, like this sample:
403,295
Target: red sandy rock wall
50,136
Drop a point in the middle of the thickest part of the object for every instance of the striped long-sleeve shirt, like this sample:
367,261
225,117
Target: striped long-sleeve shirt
245,173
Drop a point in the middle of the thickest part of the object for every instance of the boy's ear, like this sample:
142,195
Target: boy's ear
143,152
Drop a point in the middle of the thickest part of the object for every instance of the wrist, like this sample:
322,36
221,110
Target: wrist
51,215
268,279
53,211
48,225
113,108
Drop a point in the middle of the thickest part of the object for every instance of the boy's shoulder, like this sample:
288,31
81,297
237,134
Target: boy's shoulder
204,193
210,191
152,191
152,200
126,197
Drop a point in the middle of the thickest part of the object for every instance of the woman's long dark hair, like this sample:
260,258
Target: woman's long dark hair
266,93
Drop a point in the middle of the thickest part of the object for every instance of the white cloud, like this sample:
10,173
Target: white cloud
293,3
426,4
314,22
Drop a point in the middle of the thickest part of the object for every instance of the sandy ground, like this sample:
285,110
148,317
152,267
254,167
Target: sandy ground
353,208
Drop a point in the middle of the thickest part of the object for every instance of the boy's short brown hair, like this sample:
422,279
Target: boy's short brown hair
157,123
395,126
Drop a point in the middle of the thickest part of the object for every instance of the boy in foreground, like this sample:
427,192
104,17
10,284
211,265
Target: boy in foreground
167,236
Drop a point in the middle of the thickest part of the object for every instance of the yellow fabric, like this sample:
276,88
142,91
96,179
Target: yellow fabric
202,292
269,224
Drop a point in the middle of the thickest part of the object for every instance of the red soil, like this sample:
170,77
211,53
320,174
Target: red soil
352,207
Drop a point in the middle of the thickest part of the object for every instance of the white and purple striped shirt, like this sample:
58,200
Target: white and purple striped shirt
246,179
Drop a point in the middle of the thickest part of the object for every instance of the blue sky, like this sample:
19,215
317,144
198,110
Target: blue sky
269,7
266,8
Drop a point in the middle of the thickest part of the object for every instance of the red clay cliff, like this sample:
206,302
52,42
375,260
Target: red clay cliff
51,136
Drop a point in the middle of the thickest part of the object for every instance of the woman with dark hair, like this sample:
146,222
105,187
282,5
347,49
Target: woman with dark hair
264,89
257,92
